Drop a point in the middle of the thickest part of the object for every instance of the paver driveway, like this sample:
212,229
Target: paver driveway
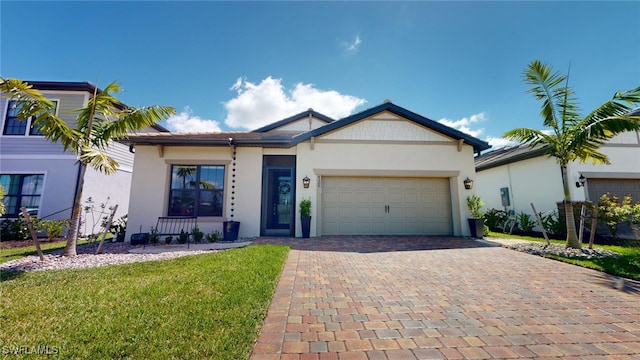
435,298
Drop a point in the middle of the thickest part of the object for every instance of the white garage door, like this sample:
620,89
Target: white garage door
386,206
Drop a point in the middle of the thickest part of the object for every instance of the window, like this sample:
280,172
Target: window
22,191
196,190
15,126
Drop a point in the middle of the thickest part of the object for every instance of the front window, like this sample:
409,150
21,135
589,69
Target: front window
16,126
196,190
22,191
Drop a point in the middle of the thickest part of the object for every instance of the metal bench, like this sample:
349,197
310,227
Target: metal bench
176,226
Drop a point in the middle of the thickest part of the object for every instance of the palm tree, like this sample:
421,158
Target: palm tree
571,136
101,121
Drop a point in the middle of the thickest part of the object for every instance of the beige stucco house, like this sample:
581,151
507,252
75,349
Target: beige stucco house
532,177
383,171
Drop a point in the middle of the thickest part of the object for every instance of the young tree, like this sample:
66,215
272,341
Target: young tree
573,137
101,121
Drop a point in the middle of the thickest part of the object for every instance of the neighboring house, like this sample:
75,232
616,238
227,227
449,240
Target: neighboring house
39,175
383,171
532,177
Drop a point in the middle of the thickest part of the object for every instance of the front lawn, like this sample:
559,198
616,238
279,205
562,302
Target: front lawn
626,265
8,254
194,307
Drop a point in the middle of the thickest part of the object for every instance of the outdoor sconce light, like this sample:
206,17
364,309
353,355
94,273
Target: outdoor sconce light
581,181
468,183
305,182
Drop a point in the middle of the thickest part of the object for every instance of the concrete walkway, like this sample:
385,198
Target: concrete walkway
441,298
161,248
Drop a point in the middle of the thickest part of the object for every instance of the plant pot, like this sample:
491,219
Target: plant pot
120,237
140,239
230,230
477,228
306,225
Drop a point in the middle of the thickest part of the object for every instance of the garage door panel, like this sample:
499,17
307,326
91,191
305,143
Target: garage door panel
391,206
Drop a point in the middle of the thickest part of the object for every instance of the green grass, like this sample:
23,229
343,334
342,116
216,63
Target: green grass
208,306
20,252
626,265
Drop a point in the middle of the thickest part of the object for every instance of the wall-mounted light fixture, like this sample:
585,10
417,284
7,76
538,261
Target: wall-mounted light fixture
468,183
581,181
305,182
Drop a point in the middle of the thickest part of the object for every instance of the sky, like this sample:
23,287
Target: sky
237,66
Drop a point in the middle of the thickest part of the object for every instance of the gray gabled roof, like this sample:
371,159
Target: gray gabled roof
508,155
261,138
478,145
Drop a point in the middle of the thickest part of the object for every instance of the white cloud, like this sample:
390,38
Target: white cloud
257,105
498,142
468,126
186,122
355,44
465,124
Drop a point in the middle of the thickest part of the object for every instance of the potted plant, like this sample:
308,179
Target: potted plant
476,222
305,217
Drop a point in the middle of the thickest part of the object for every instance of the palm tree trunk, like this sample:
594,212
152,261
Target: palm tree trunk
572,234
72,237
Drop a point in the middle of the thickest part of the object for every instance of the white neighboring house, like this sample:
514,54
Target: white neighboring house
39,175
383,171
532,177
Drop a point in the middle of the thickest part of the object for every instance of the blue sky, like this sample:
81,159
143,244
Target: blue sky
241,65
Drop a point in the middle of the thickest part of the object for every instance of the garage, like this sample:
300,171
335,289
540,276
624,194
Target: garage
386,206
619,187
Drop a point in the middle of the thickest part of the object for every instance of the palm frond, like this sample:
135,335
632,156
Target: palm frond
98,160
131,119
34,104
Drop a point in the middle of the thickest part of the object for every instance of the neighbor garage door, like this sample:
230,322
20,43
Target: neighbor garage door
619,187
386,206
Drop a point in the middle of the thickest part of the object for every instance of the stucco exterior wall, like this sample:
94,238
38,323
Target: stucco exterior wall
537,181
385,159
151,181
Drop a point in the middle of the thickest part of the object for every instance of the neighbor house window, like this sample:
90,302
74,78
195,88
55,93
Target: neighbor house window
15,126
196,190
22,191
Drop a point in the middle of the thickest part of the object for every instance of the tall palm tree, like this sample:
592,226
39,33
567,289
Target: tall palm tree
101,121
571,136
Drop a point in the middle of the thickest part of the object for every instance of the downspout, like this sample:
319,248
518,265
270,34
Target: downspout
233,176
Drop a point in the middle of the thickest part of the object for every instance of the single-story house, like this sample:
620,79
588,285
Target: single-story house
385,170
520,175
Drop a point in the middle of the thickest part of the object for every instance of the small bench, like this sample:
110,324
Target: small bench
176,226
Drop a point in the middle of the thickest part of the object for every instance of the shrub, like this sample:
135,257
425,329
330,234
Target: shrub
168,239
525,222
183,237
153,235
197,234
13,229
612,212
52,228
495,219
214,236
552,223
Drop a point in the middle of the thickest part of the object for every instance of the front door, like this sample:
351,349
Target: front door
278,197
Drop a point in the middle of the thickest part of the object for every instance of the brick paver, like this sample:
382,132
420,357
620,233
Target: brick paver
441,298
